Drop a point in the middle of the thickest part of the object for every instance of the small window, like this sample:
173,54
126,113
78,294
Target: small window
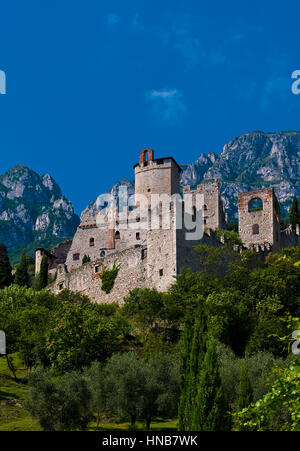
92,242
102,254
61,286
204,221
144,254
160,161
98,268
255,229
205,207
149,190
76,257
137,235
161,272
117,235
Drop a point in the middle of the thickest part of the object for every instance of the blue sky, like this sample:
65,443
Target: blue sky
89,84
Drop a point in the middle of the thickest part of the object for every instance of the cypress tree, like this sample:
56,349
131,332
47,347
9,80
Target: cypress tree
195,337
211,408
6,277
43,275
245,391
202,405
184,403
294,213
22,276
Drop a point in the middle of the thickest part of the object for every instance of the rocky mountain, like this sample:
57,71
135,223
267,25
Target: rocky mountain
94,206
33,210
253,160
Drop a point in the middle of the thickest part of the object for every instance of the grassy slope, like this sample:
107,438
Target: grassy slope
14,417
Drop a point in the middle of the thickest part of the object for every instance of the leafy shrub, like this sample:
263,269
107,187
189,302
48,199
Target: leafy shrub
108,277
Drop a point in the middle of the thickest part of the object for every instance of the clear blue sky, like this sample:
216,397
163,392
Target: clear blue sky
90,83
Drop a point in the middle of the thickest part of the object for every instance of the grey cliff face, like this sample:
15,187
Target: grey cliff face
94,206
32,208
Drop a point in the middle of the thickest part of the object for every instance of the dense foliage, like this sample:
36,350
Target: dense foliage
215,345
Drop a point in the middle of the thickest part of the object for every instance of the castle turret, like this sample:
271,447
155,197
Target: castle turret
156,176
259,218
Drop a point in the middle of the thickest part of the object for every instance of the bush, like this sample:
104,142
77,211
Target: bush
59,404
108,277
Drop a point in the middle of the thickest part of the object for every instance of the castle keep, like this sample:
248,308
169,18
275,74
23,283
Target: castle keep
149,253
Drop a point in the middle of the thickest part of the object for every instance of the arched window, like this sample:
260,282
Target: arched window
117,235
102,254
255,204
205,207
255,229
92,242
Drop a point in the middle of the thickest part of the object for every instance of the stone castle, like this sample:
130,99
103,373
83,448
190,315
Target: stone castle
149,256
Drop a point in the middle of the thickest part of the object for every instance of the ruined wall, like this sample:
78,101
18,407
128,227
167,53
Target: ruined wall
161,259
290,237
262,226
214,216
60,253
94,242
86,280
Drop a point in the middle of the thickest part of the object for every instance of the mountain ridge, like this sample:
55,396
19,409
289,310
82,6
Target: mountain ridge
33,210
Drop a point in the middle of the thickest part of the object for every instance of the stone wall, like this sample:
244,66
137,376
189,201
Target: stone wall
132,274
290,237
214,215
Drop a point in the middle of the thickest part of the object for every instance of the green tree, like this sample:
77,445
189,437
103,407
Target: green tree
211,407
194,349
61,404
22,276
95,377
161,390
24,316
294,213
138,388
245,389
125,385
284,391
33,324
5,268
43,275
145,305
203,406
81,334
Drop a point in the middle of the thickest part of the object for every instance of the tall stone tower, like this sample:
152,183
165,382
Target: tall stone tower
156,176
159,177
259,218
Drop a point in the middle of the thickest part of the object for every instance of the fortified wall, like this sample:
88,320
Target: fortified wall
148,253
